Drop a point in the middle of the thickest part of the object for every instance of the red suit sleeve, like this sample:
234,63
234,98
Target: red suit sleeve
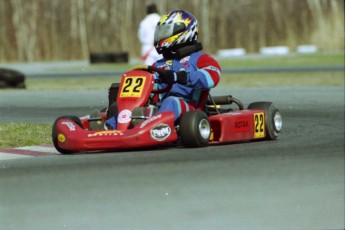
207,74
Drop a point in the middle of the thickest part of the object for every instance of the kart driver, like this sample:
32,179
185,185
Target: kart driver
185,65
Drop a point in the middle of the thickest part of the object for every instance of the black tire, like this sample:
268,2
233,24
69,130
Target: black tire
273,118
55,133
12,78
195,129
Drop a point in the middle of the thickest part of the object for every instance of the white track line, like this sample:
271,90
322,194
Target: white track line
27,151
48,150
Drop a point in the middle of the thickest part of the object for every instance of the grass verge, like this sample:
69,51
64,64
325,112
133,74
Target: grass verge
24,134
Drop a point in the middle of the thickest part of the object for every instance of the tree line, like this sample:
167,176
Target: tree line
41,30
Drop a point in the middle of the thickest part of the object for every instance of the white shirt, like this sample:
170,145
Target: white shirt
146,33
147,28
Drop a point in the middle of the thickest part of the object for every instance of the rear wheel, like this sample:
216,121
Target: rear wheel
195,129
55,134
273,118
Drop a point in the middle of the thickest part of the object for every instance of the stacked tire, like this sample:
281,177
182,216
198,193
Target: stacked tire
101,58
11,79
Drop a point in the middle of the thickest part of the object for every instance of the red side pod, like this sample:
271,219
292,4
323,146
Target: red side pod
236,126
157,130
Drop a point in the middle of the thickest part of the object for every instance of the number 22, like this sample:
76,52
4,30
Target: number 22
129,81
259,123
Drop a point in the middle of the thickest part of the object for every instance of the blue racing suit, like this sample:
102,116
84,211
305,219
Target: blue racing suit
203,72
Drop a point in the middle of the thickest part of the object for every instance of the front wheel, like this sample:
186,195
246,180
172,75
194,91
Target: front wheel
273,118
195,129
55,134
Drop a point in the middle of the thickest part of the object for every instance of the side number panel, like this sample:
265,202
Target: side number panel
259,125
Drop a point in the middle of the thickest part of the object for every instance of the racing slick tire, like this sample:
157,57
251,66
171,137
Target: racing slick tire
55,133
273,118
195,129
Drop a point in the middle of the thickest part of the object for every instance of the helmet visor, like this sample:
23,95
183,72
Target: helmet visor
167,30
163,31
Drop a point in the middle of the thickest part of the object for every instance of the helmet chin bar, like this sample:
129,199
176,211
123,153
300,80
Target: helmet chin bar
182,51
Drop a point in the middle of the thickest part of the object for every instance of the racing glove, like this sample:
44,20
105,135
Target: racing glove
170,77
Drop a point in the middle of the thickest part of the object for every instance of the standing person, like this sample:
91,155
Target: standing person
185,65
145,34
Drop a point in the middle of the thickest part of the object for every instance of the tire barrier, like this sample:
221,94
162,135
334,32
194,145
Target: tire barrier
119,57
11,79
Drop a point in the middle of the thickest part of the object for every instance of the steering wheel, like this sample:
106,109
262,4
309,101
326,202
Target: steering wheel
150,68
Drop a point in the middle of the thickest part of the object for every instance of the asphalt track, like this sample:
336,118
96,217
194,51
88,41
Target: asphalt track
296,182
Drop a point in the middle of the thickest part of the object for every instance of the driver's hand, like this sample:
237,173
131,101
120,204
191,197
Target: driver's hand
170,77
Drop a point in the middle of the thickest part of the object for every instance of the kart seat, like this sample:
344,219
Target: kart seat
212,105
204,95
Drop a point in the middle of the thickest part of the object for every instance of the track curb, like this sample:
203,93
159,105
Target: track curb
27,151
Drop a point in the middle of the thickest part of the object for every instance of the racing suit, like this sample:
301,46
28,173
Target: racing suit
203,72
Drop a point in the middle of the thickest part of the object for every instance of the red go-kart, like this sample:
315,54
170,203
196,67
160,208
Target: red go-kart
139,125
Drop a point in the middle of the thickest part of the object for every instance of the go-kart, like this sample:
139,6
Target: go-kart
215,120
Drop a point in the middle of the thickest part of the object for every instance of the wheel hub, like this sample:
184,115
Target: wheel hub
278,121
204,128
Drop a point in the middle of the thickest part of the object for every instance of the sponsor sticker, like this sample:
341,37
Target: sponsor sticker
213,68
241,124
185,59
61,138
124,116
149,120
160,132
106,133
69,124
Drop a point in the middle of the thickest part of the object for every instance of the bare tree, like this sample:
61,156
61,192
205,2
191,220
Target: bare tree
62,30
82,29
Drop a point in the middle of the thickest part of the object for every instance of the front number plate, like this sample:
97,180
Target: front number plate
132,87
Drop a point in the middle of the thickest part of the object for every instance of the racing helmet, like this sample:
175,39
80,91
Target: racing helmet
174,30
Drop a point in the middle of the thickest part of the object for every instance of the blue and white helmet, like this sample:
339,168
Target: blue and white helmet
174,30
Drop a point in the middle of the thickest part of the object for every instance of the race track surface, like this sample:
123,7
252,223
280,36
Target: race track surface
296,182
